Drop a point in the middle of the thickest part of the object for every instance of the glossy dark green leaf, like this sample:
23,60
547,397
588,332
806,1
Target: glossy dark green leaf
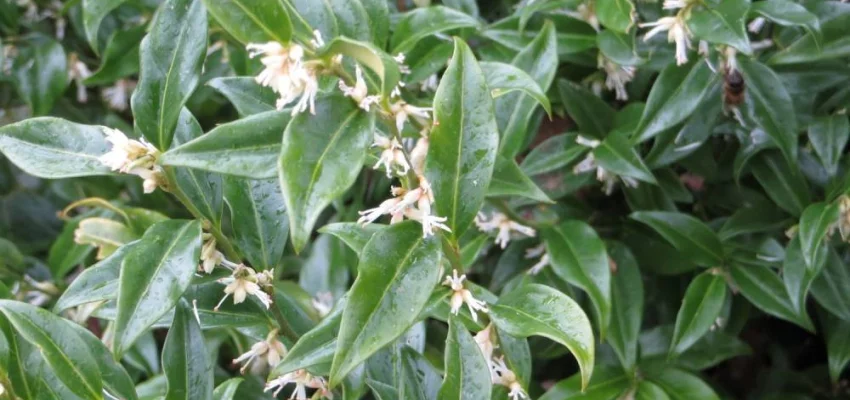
674,96
154,274
314,347
616,15
515,112
627,306
834,44
754,219
467,372
785,185
553,154
723,24
608,383
245,94
687,234
505,78
772,107
41,74
592,115
247,147
618,47
573,35
700,308
65,254
829,136
320,159
681,385
419,380
227,389
258,219
789,13
185,361
539,310
468,6
379,20
367,54
647,390
798,275
295,304
309,15
54,148
837,346
509,180
352,19
829,287
463,147
396,270
172,56
352,234
578,256
93,13
116,381
423,22
765,290
252,21
63,350
814,225
326,269
97,283
202,189
617,155
121,57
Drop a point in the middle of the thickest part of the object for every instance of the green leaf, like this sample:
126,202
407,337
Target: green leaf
40,71
245,94
608,383
352,19
829,136
367,54
785,185
797,275
467,372
574,35
320,159
379,20
120,59
535,309
247,147
314,347
675,95
509,180
832,43
837,346
617,155
627,305
172,57
766,291
814,225
516,112
154,274
463,147
54,148
227,389
397,269
555,153
829,287
788,13
647,390
97,283
352,234
592,115
505,78
202,189
771,104
309,15
252,21
258,219
65,253
700,308
63,350
419,380
723,24
423,22
616,15
185,361
687,234
116,381
755,219
578,256
681,385
94,11
618,47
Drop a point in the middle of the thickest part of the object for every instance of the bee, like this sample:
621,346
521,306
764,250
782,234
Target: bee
733,88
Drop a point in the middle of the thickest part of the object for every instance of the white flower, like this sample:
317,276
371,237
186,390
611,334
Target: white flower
126,153
323,303
430,84
360,92
270,350
210,257
677,31
609,180
151,178
538,251
392,155
504,376
78,72
414,204
484,341
243,283
117,96
756,25
843,222
402,67
616,76
675,4
504,225
302,380
419,152
402,111
461,295
317,40
286,73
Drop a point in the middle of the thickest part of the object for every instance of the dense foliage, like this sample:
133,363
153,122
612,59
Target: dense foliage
555,199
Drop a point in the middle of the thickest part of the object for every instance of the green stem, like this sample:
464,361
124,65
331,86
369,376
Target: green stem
282,323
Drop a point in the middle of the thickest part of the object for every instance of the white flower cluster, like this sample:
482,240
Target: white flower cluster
302,380
676,27
244,282
534,252
135,157
616,76
461,295
359,92
78,72
609,180
411,204
504,225
270,351
287,74
500,374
